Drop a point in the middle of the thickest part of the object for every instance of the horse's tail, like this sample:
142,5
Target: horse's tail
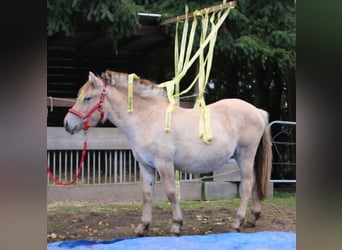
263,161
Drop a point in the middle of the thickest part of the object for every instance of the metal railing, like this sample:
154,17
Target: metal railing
109,158
283,145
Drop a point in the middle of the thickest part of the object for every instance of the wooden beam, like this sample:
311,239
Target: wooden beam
60,102
231,4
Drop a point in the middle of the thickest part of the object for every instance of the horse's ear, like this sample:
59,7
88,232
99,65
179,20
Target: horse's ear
96,81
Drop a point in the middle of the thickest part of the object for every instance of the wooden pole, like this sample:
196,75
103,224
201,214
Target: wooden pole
202,11
60,102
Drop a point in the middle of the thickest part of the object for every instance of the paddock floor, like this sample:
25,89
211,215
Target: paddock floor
73,221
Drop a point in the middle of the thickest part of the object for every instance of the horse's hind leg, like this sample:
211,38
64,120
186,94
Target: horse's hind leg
148,181
166,171
245,160
255,210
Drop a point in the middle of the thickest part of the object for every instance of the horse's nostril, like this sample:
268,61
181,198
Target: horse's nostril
65,123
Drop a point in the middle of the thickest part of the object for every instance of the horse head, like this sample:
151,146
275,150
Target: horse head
89,107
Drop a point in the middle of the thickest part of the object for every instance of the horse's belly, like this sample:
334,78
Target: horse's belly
199,168
201,163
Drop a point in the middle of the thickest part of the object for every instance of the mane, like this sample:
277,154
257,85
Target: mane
144,88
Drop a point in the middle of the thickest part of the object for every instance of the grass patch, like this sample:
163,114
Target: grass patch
56,225
280,198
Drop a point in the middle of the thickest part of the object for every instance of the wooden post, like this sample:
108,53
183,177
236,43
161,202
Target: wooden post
202,11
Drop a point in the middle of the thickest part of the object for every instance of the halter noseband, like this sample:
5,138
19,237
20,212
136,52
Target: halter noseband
97,106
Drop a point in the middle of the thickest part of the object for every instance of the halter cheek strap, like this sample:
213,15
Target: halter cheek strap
97,106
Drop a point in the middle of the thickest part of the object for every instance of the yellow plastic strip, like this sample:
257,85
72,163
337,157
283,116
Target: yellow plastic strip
169,111
205,62
131,78
205,42
204,126
169,85
177,179
191,38
180,58
183,43
176,52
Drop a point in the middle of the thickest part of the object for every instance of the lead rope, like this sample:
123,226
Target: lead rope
55,180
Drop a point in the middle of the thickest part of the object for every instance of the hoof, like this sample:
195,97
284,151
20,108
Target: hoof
249,224
141,229
176,228
234,230
256,215
236,225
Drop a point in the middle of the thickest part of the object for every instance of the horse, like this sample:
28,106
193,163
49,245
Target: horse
240,131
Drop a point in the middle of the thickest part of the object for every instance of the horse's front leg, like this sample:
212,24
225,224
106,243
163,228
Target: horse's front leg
167,174
148,182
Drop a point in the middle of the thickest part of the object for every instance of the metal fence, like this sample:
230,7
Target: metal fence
284,151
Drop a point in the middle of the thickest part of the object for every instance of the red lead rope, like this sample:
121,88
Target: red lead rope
78,171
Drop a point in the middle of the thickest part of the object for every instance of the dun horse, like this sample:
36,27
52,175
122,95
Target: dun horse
240,131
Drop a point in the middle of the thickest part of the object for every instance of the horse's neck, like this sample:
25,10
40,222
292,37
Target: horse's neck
120,79
130,123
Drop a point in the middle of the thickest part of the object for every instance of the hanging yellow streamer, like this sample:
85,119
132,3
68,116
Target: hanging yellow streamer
183,62
177,179
131,78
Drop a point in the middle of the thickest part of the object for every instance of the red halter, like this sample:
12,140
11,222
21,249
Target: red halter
97,106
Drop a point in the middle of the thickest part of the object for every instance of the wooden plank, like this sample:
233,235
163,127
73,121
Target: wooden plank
202,11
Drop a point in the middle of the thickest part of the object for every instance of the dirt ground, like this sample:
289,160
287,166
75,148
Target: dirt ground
120,221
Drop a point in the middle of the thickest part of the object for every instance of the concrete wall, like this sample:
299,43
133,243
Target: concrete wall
130,192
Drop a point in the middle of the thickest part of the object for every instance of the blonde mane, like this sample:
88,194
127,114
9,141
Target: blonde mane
83,90
144,88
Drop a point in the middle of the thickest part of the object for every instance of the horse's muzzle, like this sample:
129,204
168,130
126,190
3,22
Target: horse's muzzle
68,128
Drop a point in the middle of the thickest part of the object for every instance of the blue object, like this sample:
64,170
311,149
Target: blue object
241,241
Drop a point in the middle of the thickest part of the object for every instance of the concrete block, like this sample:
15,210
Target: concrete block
270,189
228,172
95,193
190,191
219,190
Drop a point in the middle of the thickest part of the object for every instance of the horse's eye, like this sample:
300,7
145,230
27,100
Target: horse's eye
87,99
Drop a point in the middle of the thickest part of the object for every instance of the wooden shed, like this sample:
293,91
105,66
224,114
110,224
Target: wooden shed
70,58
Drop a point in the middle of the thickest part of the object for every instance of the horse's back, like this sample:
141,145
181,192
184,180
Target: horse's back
239,117
234,123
